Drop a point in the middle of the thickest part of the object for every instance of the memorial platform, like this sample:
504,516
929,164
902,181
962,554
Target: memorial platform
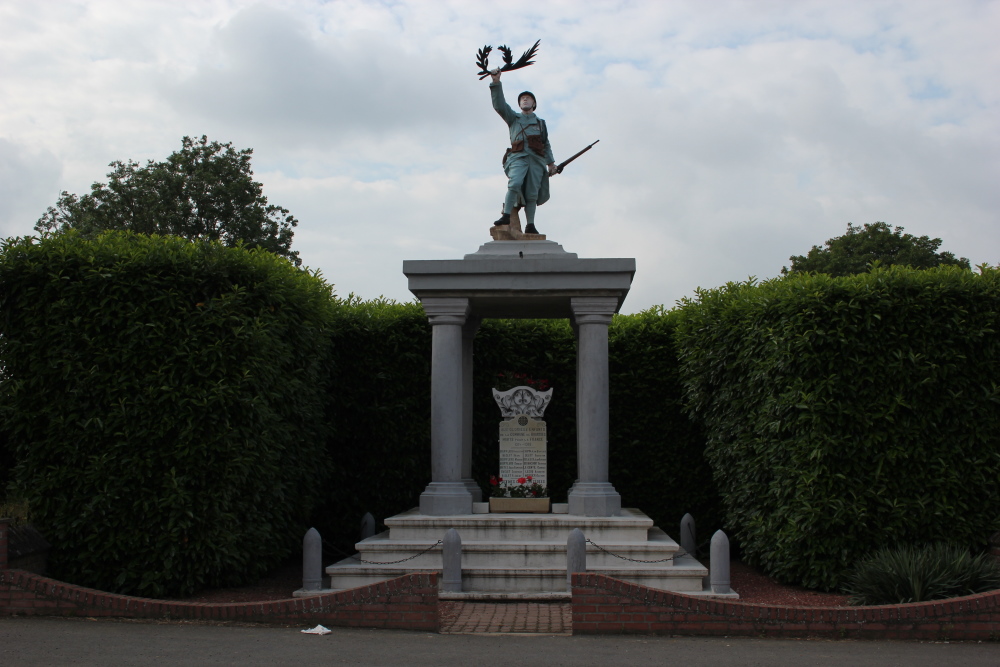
522,556
516,556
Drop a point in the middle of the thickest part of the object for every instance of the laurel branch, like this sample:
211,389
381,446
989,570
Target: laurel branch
483,59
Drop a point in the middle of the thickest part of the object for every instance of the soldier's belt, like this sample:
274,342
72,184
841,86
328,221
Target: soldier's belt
535,143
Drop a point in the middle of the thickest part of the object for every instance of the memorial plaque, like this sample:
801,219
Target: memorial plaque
523,450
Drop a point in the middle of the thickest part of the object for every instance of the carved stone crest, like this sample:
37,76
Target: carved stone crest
522,401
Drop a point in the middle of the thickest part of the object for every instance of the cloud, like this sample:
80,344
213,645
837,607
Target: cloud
733,134
28,185
330,91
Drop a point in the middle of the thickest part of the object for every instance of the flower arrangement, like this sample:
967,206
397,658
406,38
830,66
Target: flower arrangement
509,380
525,488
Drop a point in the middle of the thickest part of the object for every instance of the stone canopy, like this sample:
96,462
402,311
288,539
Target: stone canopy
517,279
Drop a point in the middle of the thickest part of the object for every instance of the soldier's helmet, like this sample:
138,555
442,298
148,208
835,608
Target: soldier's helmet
534,102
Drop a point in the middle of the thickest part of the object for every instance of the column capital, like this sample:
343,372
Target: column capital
593,309
446,310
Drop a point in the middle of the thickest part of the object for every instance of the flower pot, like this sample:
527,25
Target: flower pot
507,505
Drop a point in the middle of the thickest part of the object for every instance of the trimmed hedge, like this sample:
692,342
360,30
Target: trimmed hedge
657,452
843,414
166,402
380,414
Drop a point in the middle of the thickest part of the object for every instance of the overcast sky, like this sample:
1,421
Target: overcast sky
733,134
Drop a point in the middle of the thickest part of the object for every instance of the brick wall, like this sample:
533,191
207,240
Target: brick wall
409,602
602,605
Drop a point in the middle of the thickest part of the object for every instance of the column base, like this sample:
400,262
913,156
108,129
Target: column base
445,499
477,493
594,499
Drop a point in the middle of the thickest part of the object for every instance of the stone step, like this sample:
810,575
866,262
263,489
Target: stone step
517,554
529,553
631,526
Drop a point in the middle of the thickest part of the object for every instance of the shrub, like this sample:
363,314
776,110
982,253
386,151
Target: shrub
917,574
848,411
165,401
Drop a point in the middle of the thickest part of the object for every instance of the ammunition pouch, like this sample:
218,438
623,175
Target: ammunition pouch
537,144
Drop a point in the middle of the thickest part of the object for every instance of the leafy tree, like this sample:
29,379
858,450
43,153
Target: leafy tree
203,191
861,247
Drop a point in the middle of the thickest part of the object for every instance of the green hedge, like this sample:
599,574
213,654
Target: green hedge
166,402
380,414
657,453
843,414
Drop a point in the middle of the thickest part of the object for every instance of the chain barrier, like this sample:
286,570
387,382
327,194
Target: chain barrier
637,560
396,562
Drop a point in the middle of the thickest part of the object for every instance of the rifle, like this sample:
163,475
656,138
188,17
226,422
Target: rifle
563,164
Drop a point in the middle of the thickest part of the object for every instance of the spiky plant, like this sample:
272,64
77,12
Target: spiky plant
917,574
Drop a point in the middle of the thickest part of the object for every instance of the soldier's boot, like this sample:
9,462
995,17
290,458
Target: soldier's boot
504,220
529,213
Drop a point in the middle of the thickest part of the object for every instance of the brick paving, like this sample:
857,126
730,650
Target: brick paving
469,618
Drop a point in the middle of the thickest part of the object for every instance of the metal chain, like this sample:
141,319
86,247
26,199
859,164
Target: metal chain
395,562
589,541
636,560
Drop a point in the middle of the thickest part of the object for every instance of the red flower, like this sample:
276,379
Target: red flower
521,480
493,480
529,478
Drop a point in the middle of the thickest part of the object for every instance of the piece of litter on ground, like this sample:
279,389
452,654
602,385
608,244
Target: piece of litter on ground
318,630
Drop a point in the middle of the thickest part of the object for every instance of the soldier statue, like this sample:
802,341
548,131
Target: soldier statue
528,162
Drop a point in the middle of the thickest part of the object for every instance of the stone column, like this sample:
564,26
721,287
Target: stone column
593,494
446,494
468,334
576,335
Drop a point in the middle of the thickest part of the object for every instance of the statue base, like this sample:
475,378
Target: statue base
512,232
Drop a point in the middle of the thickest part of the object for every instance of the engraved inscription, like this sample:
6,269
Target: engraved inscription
523,450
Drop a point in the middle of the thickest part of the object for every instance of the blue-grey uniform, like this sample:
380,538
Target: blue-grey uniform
525,164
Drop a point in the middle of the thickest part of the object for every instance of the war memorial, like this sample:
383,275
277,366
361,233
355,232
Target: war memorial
518,548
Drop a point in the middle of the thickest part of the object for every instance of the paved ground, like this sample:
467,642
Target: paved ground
45,641
508,617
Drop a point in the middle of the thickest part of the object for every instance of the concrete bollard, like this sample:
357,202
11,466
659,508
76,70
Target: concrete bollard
367,526
688,535
719,564
451,555
576,556
312,561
